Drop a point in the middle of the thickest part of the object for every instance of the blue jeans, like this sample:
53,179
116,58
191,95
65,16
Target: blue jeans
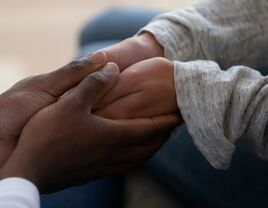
178,165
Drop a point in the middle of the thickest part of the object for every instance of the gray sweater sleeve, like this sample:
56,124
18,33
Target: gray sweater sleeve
230,32
219,107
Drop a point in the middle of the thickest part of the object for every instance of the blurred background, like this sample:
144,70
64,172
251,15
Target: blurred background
39,36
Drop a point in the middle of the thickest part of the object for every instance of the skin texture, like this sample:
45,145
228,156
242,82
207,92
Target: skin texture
144,89
146,83
27,97
58,131
133,50
64,144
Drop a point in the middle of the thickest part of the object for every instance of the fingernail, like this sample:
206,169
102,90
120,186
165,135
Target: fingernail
98,57
111,68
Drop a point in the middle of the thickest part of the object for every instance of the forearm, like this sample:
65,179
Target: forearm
150,45
219,107
133,50
229,32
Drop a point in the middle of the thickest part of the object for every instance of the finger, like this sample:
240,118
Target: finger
95,85
137,105
127,84
71,74
127,107
140,131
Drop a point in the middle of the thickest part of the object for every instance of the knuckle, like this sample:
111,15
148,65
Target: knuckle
78,65
97,79
74,66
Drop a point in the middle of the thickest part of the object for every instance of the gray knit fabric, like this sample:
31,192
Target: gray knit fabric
219,100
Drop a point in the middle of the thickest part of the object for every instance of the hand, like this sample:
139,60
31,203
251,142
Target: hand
64,144
30,95
144,89
133,50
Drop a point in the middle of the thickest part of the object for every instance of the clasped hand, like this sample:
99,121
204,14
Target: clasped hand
49,135
144,89
146,84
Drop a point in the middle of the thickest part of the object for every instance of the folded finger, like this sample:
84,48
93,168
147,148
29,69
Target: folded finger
127,84
140,131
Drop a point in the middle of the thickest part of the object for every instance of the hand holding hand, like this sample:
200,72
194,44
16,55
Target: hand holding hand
30,95
144,89
64,144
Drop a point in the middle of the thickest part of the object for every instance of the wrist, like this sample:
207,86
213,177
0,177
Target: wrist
149,45
15,168
133,50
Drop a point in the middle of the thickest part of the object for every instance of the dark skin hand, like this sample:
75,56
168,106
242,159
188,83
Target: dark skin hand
64,144
30,95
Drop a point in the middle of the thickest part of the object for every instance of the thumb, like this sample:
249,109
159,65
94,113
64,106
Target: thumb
71,74
96,85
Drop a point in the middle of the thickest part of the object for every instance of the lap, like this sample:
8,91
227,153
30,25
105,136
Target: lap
182,167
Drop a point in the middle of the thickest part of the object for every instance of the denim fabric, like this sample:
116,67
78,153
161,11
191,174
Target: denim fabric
100,194
182,168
